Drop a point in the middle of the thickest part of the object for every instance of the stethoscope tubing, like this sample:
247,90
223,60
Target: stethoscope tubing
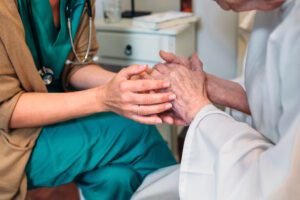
69,24
85,59
47,72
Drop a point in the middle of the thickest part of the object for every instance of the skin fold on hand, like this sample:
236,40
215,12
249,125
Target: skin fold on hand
220,91
186,84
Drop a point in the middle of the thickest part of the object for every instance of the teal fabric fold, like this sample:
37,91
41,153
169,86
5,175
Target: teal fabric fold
54,41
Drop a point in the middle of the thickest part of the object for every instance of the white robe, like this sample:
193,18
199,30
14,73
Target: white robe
226,159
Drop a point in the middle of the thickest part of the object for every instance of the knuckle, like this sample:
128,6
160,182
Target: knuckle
123,86
125,98
123,71
126,108
173,74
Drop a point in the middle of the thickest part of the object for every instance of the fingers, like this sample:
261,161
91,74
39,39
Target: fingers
162,68
152,120
133,70
171,119
144,75
167,119
153,109
152,98
171,58
168,57
180,122
143,85
157,75
196,63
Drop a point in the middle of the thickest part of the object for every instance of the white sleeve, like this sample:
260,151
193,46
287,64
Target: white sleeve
226,159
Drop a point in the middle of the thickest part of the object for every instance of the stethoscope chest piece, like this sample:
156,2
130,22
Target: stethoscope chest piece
47,75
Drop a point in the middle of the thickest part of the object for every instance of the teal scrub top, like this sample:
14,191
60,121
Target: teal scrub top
53,41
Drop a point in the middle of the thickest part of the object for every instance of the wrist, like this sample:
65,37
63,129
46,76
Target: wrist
195,108
100,99
215,90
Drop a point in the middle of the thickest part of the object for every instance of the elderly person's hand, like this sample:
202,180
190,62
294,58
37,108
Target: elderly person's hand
247,5
192,64
189,87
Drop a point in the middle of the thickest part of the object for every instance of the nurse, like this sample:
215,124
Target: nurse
223,157
49,137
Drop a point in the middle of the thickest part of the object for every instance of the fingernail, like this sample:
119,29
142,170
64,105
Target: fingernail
172,97
166,84
168,106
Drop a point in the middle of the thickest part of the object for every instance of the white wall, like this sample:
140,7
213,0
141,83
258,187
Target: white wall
217,38
146,5
217,35
153,5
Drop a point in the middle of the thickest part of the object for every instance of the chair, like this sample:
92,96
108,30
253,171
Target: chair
65,192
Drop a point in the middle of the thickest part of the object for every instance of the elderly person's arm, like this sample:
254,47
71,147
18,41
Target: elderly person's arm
220,91
189,87
227,93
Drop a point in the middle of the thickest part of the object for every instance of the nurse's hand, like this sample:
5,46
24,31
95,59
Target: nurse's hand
131,98
247,5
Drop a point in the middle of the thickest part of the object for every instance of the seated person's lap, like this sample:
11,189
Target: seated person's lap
65,151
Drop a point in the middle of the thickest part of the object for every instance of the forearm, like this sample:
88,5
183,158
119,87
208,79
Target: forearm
40,109
227,93
90,77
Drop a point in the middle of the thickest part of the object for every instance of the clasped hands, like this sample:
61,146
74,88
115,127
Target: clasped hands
172,92
187,81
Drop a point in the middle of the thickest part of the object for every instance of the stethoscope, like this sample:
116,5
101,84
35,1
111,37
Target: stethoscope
45,72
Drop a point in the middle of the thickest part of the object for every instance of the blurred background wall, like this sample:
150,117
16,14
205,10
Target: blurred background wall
217,33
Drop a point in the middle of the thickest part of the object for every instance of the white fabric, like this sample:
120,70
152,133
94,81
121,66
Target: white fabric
226,159
162,185
246,23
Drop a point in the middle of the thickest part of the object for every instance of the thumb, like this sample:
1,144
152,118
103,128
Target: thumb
168,57
197,65
132,70
172,58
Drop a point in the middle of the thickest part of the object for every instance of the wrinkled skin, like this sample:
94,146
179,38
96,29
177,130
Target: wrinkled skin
187,82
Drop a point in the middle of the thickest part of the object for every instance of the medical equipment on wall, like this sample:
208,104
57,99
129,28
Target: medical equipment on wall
45,72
